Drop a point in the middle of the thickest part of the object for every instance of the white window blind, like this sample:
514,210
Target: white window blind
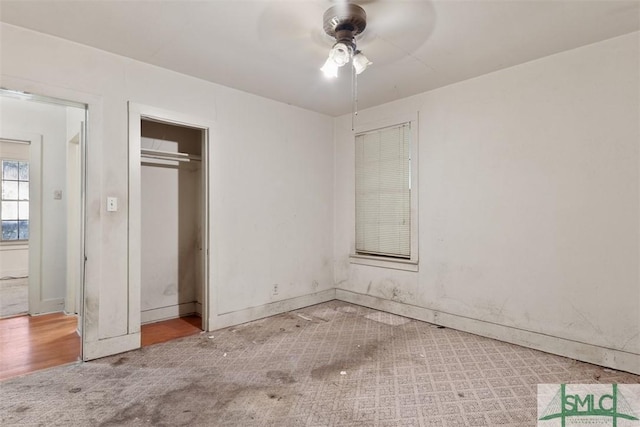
383,192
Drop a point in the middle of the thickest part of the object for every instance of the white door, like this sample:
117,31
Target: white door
74,223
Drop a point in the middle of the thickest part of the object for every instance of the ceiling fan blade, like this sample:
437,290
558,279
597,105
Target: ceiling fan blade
293,31
388,23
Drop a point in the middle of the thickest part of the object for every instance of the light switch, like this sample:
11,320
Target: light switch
112,204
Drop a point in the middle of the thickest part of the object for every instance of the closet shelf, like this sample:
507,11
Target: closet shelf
169,155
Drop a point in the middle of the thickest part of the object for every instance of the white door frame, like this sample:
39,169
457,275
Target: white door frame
138,112
74,223
34,141
91,169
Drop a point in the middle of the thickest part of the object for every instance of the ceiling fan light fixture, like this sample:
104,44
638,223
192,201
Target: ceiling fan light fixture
343,22
330,68
340,54
360,62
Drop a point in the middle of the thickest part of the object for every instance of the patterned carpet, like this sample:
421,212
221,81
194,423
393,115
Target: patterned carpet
333,364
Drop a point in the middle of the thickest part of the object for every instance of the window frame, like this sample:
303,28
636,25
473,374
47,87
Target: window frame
410,264
17,241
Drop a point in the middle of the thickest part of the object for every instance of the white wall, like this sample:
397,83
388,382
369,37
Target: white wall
528,197
14,261
49,121
271,178
528,206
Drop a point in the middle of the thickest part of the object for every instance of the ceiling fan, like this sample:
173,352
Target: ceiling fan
344,22
300,33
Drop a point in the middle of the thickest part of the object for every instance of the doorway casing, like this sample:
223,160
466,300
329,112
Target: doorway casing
37,303
33,143
137,113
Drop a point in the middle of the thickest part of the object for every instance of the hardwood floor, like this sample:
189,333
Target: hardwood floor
155,333
29,343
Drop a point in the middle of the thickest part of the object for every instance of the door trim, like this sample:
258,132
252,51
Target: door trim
91,170
138,112
34,141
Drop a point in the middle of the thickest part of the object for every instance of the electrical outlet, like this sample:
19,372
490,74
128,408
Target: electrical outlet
112,204
57,194
275,290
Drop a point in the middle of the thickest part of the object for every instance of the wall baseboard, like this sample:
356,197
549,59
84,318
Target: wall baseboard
54,305
271,309
614,359
170,312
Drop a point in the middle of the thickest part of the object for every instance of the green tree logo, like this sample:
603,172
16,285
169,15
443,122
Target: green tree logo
565,405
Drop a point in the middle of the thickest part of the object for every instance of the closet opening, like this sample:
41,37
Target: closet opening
173,221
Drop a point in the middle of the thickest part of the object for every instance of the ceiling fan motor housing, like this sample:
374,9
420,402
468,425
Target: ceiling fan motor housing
344,22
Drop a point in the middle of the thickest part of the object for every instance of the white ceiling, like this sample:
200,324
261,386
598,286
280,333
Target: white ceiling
275,48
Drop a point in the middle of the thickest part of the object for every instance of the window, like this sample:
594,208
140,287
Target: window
14,208
385,196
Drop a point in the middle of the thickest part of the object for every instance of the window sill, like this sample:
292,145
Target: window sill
377,261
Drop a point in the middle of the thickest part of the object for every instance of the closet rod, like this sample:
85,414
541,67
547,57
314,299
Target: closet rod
168,155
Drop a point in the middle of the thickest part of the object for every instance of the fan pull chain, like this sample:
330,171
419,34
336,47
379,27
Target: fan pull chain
354,105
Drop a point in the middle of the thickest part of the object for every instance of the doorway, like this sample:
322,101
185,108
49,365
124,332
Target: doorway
17,156
42,221
171,248
169,211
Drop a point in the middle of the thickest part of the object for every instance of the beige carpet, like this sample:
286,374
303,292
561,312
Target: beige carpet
333,364
14,297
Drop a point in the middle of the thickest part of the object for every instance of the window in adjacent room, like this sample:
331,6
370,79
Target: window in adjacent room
385,194
14,207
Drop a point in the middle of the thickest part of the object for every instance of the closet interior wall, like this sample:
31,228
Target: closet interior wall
171,209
